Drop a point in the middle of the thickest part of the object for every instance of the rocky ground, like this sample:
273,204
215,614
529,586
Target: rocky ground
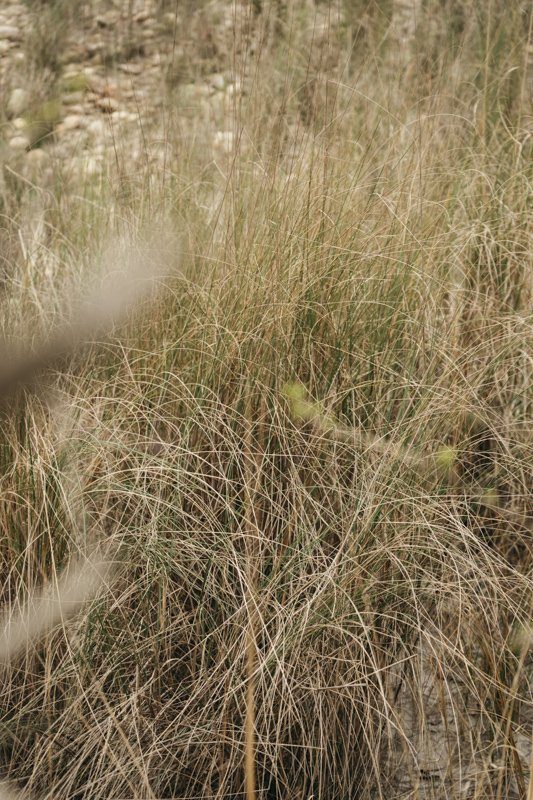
115,69
104,106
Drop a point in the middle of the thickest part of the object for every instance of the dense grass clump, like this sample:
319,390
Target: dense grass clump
308,452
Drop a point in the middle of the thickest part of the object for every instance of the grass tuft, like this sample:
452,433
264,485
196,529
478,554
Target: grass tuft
309,449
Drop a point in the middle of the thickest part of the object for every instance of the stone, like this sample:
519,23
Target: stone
217,81
95,83
105,20
131,69
75,53
141,16
5,46
10,32
19,123
94,48
19,143
103,86
70,69
18,102
97,128
120,115
107,104
73,121
73,98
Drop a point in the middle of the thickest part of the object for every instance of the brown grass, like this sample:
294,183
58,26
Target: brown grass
309,451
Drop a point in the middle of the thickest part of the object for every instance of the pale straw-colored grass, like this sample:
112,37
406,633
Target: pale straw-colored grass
310,453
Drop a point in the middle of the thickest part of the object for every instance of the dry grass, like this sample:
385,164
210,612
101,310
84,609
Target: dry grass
310,452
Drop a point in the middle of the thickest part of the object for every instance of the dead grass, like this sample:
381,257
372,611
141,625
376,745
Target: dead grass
310,452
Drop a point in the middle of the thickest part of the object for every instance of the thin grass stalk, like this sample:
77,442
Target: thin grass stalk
530,787
251,551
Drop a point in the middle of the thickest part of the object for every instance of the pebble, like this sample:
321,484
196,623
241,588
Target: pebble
141,16
18,102
9,32
19,123
5,46
93,48
120,115
106,20
169,19
73,121
217,81
19,143
71,69
95,82
73,98
97,128
107,104
103,86
131,69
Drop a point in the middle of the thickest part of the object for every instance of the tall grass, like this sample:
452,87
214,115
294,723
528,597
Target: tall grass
312,451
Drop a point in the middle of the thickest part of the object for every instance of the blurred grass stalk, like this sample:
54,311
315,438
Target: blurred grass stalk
81,582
